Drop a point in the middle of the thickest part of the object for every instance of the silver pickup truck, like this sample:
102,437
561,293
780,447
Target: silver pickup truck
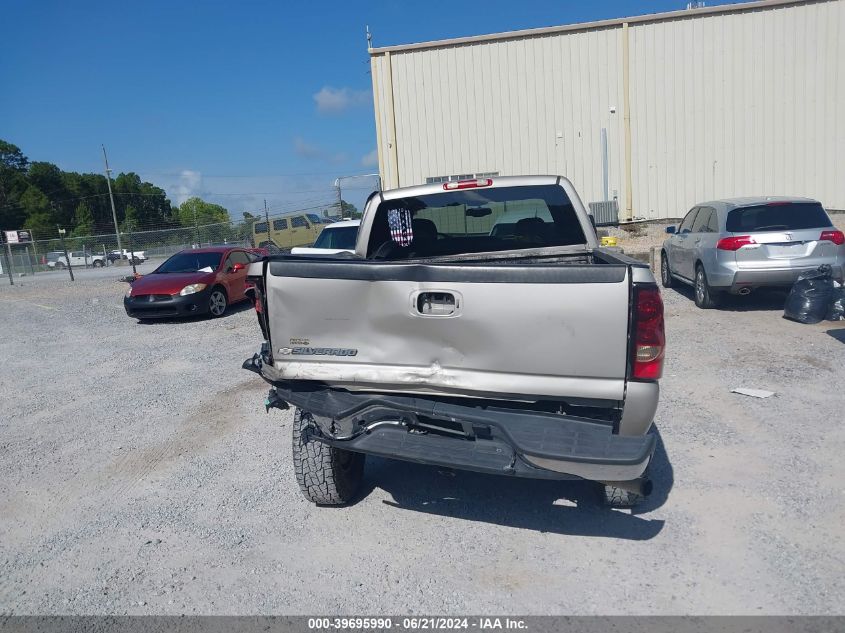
476,326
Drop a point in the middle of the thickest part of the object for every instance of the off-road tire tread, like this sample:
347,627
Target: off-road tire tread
319,474
617,498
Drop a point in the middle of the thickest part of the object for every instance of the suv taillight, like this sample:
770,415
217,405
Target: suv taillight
734,243
648,335
837,237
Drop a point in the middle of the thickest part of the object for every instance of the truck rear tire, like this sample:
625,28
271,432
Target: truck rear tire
617,498
326,475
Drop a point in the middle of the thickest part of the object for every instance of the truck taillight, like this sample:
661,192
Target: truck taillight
734,243
251,292
255,292
467,184
648,335
837,237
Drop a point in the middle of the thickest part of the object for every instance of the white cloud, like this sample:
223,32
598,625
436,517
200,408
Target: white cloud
305,149
188,185
370,159
337,100
309,150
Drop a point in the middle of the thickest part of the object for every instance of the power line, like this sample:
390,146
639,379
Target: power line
327,190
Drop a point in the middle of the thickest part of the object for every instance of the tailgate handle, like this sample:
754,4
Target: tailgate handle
436,303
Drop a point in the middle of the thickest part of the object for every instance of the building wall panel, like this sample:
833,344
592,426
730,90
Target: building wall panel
723,103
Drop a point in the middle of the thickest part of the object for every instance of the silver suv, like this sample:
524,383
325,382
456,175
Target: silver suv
739,244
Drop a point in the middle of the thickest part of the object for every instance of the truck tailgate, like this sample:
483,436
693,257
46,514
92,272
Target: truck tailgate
492,330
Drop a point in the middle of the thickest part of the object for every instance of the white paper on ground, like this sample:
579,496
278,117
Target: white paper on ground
754,393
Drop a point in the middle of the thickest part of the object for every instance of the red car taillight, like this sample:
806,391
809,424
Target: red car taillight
648,335
734,243
837,237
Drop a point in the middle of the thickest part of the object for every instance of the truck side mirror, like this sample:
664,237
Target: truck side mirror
671,229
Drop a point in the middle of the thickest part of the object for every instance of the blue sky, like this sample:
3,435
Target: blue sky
232,101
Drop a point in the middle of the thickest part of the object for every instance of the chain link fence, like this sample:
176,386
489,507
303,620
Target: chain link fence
94,251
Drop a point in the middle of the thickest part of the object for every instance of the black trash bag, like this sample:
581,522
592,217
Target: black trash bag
836,310
810,296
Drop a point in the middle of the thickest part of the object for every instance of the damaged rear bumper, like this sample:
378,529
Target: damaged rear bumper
464,434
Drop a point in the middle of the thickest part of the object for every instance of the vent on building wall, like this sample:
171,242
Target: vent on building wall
605,213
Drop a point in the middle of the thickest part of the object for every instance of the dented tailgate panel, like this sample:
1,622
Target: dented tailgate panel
451,329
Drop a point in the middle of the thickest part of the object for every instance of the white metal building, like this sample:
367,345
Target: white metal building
743,99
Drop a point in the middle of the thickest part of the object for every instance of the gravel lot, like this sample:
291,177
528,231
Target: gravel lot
139,474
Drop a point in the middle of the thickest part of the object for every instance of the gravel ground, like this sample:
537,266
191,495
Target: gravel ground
139,474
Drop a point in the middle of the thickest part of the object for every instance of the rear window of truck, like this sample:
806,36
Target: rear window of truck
474,221
790,216
342,237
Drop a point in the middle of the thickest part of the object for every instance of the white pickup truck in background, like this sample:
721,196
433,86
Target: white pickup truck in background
77,259
139,256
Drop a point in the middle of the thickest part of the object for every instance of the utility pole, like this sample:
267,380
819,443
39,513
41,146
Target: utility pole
196,227
337,186
266,217
339,199
131,250
64,248
111,199
9,263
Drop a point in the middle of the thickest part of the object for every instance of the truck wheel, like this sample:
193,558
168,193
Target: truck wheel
704,296
665,273
326,475
617,498
97,263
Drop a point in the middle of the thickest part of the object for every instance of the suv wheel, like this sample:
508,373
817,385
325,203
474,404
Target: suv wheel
665,273
704,295
326,475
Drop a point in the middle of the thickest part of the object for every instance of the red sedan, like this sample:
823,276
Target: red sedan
195,281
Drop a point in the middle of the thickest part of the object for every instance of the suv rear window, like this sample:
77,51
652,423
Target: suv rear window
791,216
474,221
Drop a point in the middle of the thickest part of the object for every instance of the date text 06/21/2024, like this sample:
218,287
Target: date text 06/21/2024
416,623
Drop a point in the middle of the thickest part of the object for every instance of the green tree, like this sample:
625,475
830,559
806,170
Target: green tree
197,211
11,157
34,201
130,219
13,183
40,217
349,210
150,203
244,229
84,217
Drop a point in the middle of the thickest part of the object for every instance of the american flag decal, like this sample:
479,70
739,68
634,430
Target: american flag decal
399,221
